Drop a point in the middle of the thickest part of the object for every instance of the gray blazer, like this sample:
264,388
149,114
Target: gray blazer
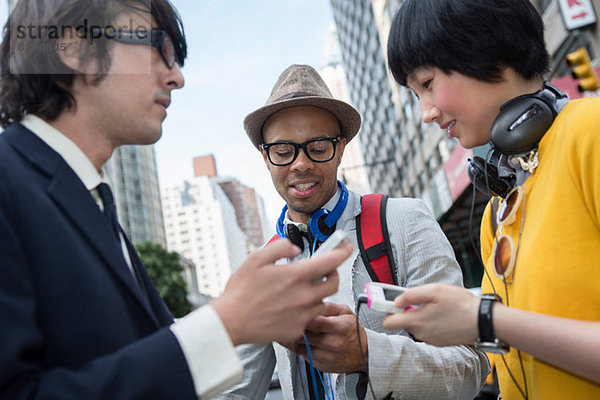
397,363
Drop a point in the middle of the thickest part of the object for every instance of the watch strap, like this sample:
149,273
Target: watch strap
487,338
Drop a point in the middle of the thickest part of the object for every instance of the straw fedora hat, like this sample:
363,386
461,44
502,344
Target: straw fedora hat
301,85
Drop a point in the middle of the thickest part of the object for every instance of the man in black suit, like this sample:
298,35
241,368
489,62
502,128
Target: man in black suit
79,316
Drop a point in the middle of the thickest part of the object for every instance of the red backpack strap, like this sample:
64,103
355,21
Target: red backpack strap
274,238
374,239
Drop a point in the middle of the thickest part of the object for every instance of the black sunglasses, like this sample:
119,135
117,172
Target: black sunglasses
156,38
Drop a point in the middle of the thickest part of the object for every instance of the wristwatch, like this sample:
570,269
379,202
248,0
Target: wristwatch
487,340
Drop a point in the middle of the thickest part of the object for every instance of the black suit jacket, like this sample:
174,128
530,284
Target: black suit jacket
74,323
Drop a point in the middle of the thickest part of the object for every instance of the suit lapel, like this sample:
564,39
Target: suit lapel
160,312
68,192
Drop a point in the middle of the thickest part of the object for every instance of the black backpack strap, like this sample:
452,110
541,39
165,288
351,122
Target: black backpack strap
374,239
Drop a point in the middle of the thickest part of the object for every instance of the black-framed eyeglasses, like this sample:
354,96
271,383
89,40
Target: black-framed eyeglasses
156,38
319,150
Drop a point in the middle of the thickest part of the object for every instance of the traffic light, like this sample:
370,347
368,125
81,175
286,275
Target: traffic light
582,69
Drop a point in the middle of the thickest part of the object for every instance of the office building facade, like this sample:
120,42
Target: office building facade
249,209
133,176
201,226
352,170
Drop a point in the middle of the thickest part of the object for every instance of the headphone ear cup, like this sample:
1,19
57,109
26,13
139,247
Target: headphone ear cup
318,227
490,183
521,124
323,227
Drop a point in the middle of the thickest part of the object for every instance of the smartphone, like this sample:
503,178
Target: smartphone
332,242
380,296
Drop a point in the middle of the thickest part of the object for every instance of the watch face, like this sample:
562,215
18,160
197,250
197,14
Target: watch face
492,347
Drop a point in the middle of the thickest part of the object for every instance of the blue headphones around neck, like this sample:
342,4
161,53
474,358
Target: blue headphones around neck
322,222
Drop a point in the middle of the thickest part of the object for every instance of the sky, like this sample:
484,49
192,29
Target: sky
236,51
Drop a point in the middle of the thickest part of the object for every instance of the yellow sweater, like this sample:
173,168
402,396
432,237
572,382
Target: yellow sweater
557,270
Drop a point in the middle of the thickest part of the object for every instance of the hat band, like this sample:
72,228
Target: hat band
293,96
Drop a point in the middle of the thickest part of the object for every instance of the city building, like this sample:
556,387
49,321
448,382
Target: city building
133,176
205,166
201,225
249,210
370,92
248,204
190,276
352,170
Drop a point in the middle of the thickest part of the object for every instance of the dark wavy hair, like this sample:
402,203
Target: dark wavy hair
34,80
476,38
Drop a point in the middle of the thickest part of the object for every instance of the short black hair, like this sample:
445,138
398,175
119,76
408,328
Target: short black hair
476,38
33,78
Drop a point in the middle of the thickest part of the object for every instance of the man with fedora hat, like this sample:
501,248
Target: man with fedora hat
301,133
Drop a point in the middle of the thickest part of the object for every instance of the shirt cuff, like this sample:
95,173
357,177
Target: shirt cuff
211,357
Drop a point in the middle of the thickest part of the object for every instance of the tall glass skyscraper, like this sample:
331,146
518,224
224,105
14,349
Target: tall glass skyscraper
133,175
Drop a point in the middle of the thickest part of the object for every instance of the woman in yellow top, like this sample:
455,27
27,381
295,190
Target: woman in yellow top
464,60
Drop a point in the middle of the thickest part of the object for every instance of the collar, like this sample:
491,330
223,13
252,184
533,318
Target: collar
333,201
300,225
67,149
329,206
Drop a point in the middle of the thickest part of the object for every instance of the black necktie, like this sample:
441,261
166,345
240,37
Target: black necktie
110,211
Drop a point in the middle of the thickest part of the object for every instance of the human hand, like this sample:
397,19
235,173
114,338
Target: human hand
446,315
264,302
333,342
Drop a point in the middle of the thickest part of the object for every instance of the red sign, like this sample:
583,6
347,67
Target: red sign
569,85
456,171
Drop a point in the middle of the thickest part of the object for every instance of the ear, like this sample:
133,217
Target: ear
265,158
70,49
339,152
